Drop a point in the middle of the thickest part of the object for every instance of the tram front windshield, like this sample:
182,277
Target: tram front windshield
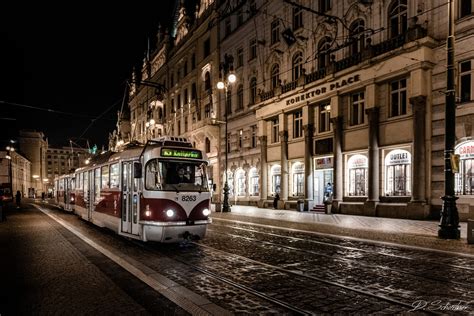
172,175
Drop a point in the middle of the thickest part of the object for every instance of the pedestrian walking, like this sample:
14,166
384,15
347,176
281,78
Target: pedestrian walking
18,199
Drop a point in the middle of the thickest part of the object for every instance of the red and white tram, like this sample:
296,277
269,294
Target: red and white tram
65,191
156,192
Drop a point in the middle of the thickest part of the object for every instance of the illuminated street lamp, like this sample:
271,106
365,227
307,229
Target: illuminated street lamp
10,149
226,71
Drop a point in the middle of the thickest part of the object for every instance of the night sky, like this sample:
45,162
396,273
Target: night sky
63,68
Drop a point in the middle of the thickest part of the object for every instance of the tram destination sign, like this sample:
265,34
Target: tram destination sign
181,153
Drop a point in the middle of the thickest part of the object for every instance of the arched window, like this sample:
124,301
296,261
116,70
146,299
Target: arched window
275,75
253,182
357,167
397,17
464,184
398,173
298,179
357,36
275,173
208,145
323,53
240,182
253,90
297,66
240,97
207,81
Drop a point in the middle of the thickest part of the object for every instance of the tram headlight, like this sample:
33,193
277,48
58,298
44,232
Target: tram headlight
169,213
147,213
72,199
206,212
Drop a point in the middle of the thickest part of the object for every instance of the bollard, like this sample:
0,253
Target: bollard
470,231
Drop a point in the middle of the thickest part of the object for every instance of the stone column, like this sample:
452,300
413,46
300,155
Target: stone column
284,169
373,152
338,165
308,166
417,207
263,178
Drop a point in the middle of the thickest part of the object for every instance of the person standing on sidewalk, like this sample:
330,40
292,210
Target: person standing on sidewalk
275,201
18,199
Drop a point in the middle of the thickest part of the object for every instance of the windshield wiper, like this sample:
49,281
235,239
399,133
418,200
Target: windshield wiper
175,187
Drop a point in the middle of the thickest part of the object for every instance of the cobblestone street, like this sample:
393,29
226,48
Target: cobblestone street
60,264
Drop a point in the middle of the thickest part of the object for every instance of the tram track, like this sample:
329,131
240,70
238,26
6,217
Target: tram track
294,309
288,307
369,266
215,223
298,275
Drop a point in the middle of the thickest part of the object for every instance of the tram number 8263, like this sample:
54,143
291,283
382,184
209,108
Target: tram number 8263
188,198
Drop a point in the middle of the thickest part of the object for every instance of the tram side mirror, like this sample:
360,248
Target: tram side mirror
214,187
137,170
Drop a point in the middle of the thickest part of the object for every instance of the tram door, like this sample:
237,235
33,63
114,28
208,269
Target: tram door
130,200
67,194
90,195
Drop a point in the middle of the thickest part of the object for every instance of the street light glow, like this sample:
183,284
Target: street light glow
220,85
232,78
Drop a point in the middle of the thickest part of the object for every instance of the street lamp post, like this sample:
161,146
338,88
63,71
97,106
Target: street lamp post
9,156
227,69
449,223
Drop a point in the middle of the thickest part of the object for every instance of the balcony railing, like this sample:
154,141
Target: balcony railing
370,51
289,86
267,95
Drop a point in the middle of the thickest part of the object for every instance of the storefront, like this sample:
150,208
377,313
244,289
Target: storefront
297,179
397,172
275,179
253,182
323,174
464,184
356,180
240,182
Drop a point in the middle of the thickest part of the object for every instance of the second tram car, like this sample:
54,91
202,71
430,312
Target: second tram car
65,191
156,192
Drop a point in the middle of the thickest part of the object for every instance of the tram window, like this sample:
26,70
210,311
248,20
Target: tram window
86,185
114,175
105,177
175,175
97,185
153,176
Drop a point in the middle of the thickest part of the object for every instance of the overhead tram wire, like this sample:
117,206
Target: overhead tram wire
98,117
46,110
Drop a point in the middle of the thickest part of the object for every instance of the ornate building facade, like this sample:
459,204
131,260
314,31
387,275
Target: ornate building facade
345,94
